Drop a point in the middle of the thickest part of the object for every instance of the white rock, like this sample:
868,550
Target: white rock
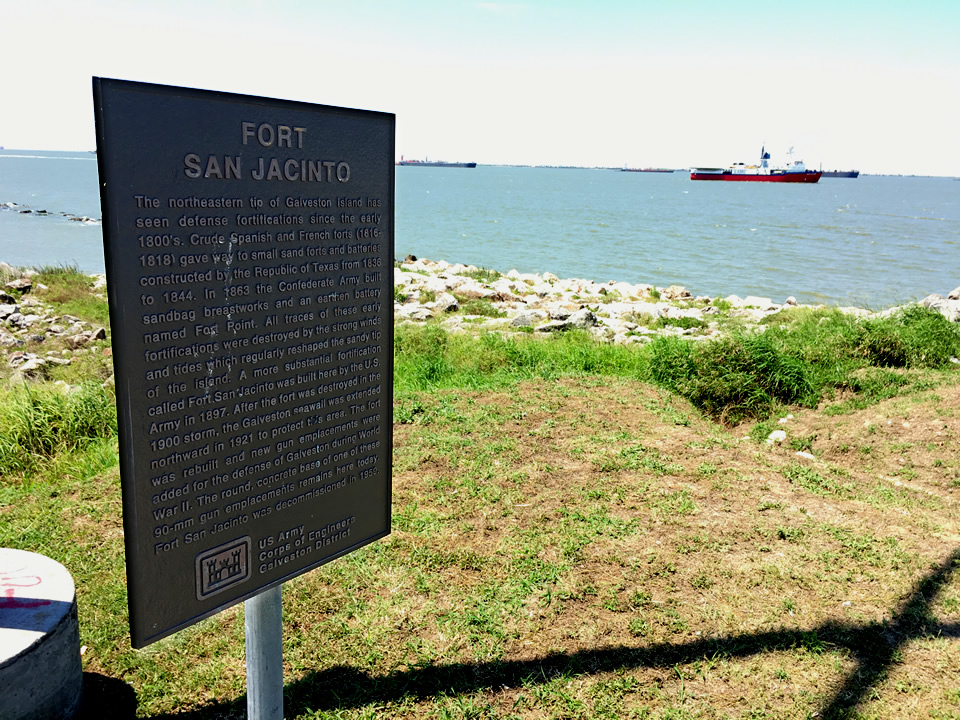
583,319
760,302
446,303
776,436
950,309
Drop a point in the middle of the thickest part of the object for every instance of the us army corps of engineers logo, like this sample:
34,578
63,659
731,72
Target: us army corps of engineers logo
222,567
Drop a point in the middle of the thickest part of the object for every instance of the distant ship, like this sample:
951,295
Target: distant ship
841,173
795,172
660,170
436,163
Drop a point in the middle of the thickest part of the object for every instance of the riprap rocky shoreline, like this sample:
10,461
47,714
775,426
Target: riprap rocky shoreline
618,312
463,298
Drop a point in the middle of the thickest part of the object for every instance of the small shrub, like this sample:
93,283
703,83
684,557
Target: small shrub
685,323
484,308
734,378
914,337
484,275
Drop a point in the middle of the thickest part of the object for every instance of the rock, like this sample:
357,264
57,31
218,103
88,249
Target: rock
506,290
476,291
528,318
675,292
583,319
804,455
553,326
791,301
950,309
776,436
446,303
410,259
33,366
26,321
759,302
6,299
415,312
22,284
75,342
954,294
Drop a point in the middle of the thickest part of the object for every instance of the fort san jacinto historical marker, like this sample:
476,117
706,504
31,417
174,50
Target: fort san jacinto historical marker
249,249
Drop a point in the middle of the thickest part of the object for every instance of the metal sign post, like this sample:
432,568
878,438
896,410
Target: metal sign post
264,634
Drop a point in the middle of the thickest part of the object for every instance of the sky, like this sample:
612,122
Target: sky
869,85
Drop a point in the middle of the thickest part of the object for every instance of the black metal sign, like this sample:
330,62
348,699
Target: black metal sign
249,248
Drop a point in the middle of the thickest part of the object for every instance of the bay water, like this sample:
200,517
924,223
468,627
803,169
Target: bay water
873,241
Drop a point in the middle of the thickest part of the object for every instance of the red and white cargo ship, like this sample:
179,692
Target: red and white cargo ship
795,172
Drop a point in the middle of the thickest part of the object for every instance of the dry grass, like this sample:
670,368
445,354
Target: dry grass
592,549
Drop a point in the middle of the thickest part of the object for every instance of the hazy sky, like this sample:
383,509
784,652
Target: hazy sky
872,85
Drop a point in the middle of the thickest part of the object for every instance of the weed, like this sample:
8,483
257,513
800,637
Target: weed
36,423
479,306
483,275
702,581
810,479
71,293
684,322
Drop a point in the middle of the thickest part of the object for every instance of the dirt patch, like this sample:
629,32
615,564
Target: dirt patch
616,523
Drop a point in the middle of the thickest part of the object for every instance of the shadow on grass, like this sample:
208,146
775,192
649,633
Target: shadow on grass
875,647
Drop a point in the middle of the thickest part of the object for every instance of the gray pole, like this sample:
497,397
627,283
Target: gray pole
264,629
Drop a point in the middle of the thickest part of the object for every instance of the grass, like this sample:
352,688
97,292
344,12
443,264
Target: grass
72,292
805,358
579,531
43,422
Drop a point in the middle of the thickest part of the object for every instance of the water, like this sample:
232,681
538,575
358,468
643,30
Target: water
57,182
873,242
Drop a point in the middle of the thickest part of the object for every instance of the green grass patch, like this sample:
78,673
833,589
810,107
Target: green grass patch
808,356
70,292
478,306
483,275
38,422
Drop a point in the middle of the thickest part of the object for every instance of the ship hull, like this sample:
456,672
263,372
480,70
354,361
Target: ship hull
841,173
428,163
792,177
